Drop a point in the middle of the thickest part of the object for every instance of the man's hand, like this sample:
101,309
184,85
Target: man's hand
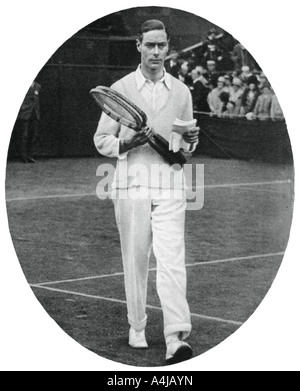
138,138
191,136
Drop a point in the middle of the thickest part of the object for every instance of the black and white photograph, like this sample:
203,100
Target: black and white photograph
148,169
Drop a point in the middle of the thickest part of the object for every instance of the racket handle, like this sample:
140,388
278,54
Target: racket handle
161,146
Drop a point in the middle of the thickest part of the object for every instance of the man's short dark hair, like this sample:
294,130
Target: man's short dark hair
150,25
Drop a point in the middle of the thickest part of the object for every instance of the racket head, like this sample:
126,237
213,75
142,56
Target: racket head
118,107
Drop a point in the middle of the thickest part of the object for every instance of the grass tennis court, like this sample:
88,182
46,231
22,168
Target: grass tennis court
68,246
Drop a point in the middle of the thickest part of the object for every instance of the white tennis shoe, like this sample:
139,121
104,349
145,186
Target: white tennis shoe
137,339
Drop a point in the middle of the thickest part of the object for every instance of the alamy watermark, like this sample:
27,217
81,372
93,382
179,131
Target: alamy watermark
136,181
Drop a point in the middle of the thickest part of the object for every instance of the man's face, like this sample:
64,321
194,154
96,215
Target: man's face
194,74
153,48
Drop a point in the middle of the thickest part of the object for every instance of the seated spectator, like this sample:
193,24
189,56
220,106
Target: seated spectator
199,90
202,75
212,74
245,74
173,65
276,112
241,57
228,81
213,99
210,49
235,97
184,75
226,42
262,109
263,81
249,97
191,59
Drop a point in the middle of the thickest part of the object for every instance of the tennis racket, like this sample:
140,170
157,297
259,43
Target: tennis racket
127,113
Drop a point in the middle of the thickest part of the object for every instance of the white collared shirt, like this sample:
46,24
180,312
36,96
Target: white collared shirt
155,94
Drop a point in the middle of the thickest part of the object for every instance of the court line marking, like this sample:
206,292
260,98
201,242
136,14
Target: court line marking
31,198
219,185
217,319
213,186
216,261
246,188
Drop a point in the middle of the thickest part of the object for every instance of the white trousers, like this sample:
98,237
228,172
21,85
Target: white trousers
154,223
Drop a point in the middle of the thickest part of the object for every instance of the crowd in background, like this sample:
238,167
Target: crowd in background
225,83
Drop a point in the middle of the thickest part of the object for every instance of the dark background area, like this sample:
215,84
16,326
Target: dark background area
98,54
103,52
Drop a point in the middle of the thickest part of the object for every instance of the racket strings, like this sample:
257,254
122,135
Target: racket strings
119,109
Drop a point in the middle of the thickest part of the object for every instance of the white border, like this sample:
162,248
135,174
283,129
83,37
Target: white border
30,32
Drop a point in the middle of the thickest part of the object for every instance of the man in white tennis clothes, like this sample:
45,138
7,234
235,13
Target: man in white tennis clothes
150,213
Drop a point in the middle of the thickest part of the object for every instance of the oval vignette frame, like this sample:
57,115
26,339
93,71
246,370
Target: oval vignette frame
186,11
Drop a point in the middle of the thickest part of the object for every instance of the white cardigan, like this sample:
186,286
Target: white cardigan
138,166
